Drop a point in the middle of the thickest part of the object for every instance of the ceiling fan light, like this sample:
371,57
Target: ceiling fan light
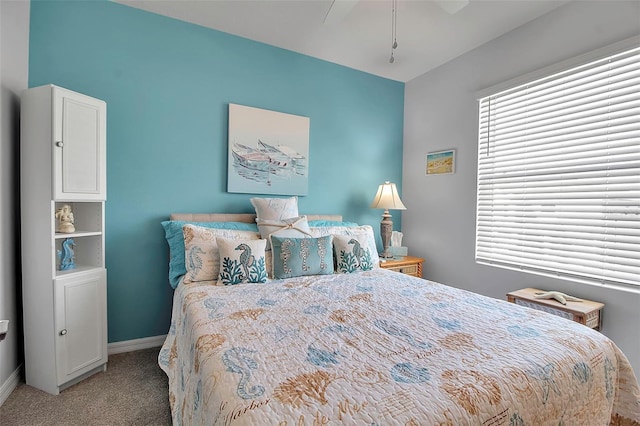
394,18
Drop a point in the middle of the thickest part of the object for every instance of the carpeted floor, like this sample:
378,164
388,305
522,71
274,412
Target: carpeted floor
133,391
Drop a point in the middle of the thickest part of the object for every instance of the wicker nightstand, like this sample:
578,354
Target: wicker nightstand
407,265
587,312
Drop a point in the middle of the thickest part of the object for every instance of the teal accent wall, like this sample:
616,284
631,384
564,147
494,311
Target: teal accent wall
167,85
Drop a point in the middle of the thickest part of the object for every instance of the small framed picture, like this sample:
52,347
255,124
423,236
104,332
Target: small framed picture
441,162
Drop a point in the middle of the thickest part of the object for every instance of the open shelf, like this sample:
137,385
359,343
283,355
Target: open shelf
87,217
87,253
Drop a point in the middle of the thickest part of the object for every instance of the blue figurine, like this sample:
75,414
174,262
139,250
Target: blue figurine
66,255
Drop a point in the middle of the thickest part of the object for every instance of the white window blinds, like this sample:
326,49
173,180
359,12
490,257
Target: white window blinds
559,174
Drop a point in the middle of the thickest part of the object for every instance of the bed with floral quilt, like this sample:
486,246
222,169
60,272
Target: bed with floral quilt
376,347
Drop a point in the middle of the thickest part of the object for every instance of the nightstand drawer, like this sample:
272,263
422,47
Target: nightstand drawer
408,269
407,265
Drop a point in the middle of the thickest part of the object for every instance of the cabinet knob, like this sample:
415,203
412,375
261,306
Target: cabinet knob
63,332
60,144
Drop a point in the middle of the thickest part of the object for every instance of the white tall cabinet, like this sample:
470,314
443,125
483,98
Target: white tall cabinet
63,162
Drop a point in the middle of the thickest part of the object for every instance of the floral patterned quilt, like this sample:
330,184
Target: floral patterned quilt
381,348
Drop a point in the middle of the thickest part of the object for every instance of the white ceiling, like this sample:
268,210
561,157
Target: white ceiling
357,33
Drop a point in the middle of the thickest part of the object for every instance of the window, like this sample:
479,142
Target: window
559,173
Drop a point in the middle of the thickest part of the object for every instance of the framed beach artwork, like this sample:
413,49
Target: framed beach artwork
268,152
441,162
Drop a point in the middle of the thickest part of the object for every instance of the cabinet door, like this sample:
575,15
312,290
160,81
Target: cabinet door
81,324
79,151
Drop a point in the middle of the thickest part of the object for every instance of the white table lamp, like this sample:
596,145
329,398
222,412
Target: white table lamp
387,198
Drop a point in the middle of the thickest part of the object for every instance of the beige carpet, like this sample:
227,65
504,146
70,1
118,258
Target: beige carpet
133,391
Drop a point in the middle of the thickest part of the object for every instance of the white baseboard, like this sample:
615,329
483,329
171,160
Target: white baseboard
135,344
10,384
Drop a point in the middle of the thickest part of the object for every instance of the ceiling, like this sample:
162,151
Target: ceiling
358,33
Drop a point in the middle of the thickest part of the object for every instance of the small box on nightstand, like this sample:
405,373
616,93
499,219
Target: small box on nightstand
398,251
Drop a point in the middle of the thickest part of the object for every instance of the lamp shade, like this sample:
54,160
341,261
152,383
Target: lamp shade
387,198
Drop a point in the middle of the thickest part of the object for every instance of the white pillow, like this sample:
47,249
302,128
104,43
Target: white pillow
201,253
351,230
275,208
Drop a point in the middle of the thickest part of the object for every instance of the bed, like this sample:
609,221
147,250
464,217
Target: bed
378,347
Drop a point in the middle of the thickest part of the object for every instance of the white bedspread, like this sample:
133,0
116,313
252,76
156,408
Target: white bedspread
381,348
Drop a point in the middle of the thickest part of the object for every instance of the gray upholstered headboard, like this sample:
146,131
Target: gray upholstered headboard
239,217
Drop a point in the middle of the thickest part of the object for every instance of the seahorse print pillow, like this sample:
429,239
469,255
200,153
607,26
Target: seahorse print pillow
352,253
201,253
294,257
242,261
349,231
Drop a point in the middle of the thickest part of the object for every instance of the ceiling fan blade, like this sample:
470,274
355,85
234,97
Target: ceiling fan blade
338,10
451,6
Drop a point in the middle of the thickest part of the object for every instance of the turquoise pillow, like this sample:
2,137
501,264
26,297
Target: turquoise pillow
294,257
175,238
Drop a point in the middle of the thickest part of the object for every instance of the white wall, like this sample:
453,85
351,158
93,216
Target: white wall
14,43
441,113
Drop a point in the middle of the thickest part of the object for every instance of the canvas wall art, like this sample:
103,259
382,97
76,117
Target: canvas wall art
268,152
441,162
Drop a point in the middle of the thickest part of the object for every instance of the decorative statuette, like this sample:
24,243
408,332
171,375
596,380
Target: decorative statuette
64,215
560,297
66,257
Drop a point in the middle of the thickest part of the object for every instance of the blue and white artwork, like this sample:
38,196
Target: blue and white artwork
268,152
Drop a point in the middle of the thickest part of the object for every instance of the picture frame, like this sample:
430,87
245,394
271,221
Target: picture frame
441,162
268,152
